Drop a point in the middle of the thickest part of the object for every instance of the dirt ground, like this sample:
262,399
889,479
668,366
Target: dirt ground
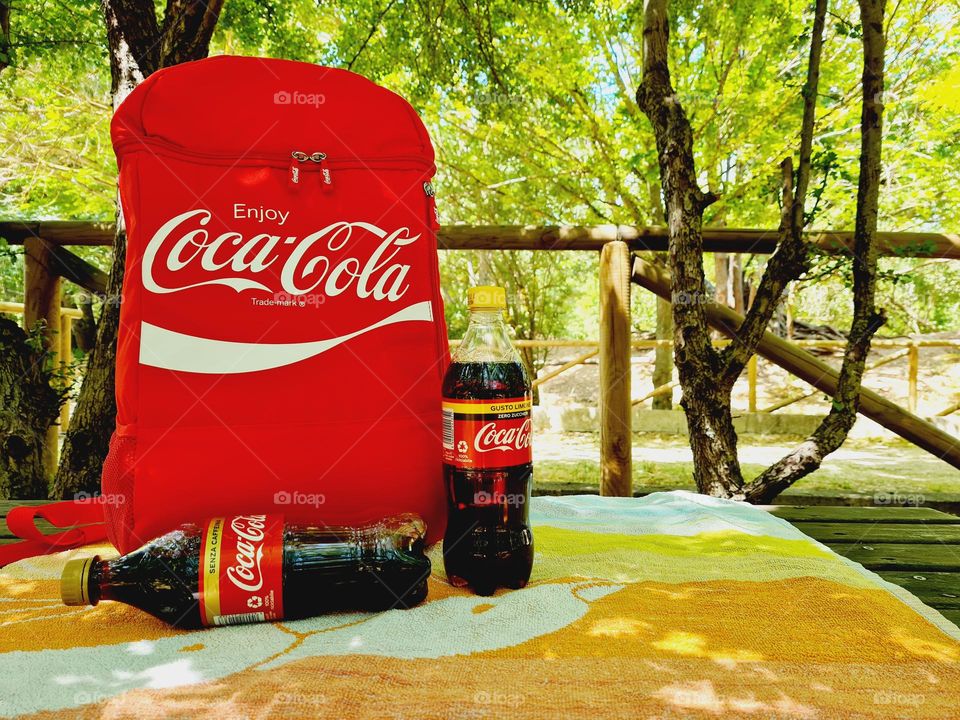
861,465
894,469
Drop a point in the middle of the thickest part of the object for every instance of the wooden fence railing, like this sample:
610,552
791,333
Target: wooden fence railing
907,348
47,260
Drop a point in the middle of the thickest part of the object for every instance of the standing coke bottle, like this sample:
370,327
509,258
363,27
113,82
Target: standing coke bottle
255,568
487,460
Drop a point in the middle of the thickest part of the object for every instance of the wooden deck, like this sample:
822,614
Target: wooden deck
916,548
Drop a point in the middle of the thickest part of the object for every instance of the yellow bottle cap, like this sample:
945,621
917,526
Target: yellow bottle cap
488,297
74,581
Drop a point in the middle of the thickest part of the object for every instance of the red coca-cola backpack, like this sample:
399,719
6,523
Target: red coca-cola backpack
282,339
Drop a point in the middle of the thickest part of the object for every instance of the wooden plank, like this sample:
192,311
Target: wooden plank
18,308
8,537
882,532
579,360
805,366
936,589
872,366
61,232
563,237
902,556
77,270
6,505
615,409
832,514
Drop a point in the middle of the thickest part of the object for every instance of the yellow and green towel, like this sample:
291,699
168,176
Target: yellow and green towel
671,606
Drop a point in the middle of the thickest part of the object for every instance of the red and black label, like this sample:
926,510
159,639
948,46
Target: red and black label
487,433
241,571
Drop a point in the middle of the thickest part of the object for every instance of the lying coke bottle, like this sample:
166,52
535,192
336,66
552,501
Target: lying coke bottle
254,568
486,454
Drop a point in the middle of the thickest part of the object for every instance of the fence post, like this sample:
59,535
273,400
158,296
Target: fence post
41,301
615,406
914,369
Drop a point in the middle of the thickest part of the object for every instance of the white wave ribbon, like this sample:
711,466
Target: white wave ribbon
172,350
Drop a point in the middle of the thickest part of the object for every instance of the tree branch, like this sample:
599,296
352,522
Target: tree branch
6,48
132,33
833,430
684,199
789,260
373,29
187,28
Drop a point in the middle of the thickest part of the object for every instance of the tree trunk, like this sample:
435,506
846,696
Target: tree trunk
138,47
835,427
29,405
706,376
663,355
706,402
6,49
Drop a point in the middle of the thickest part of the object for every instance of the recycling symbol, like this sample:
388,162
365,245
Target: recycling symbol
254,602
462,446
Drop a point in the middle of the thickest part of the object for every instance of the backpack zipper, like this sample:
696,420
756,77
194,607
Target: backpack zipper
294,161
320,158
434,216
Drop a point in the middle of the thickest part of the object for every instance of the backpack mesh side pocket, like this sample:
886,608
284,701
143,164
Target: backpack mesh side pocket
116,484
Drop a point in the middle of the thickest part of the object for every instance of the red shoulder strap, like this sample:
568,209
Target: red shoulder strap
81,523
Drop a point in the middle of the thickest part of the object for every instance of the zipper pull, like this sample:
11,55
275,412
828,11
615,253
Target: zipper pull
432,211
321,160
297,157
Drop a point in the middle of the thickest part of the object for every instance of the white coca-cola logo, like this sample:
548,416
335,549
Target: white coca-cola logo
305,264
492,437
245,573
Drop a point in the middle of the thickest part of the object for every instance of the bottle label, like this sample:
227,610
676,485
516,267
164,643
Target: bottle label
241,571
487,433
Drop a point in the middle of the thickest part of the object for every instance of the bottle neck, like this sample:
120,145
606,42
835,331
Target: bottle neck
486,339
98,584
112,580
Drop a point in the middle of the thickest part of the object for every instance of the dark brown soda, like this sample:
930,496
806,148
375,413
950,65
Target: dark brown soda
488,542
325,569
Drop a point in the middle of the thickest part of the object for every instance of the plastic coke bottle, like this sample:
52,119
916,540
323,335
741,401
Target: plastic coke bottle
486,453
254,568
